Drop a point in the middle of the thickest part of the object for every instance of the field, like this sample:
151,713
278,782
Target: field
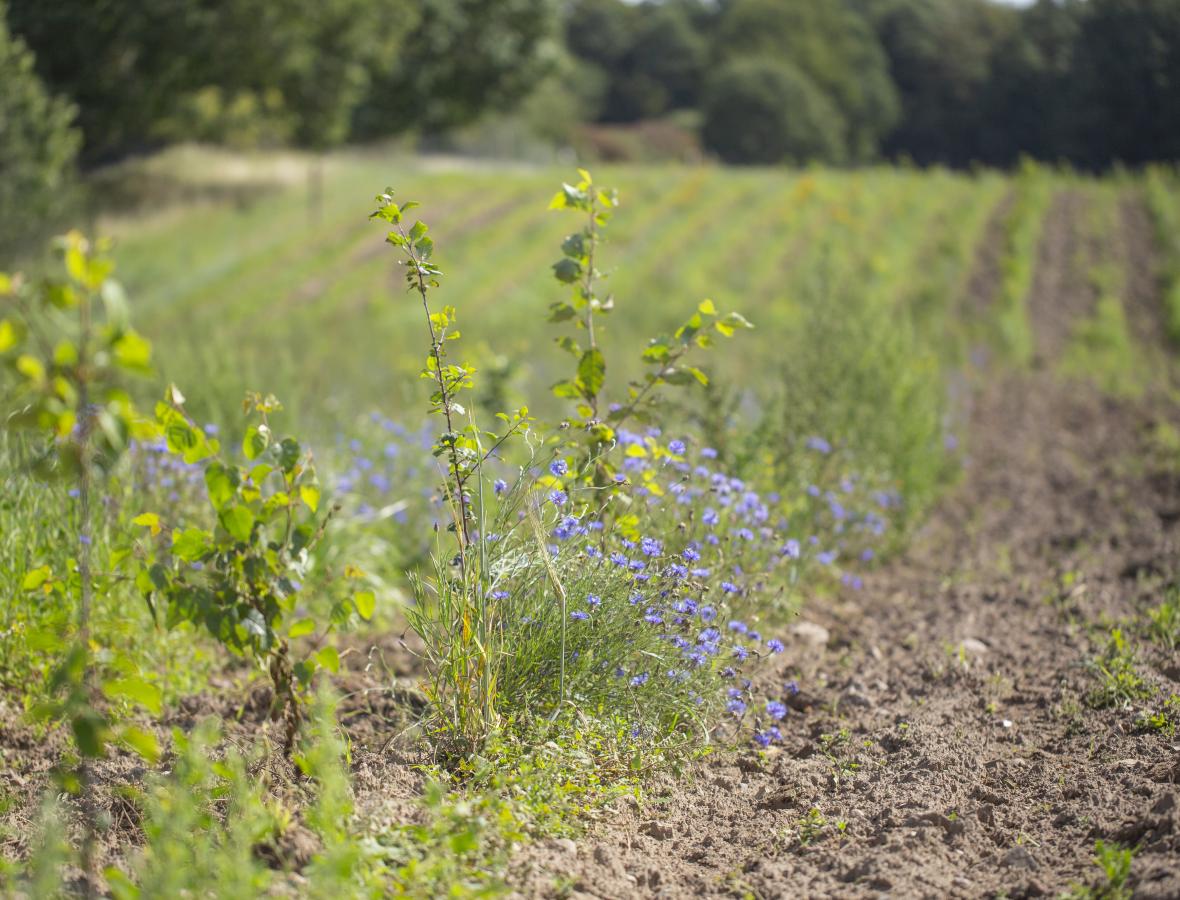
940,474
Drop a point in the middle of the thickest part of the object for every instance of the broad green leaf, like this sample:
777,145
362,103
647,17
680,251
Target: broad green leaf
8,338
329,659
592,372
35,578
133,352
256,441
301,628
567,270
238,521
191,544
137,691
141,742
221,483
366,604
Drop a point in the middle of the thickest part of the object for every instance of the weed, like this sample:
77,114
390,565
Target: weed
1119,684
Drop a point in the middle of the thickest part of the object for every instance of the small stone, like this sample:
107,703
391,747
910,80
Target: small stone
1018,858
811,633
565,845
973,645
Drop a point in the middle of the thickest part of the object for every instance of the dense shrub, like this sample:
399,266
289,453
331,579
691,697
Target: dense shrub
765,111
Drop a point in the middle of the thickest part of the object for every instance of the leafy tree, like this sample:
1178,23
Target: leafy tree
1030,100
461,59
38,144
939,54
1127,65
829,43
122,62
760,110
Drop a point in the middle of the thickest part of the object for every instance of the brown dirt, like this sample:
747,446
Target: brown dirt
962,759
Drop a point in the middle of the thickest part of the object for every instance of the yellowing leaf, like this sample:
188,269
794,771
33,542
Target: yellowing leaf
310,494
148,520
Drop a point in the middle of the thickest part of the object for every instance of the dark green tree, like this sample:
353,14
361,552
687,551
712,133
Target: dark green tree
38,145
832,45
461,59
1127,66
761,110
940,54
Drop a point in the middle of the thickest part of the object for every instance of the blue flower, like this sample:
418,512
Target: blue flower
707,614
740,652
677,447
819,445
826,558
499,485
652,617
639,680
776,710
558,498
579,615
691,554
729,587
791,687
708,453
558,468
651,546
499,595
774,645
762,738
867,554
735,706
709,516
738,626
593,600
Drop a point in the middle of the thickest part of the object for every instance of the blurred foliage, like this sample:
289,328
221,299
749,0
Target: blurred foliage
953,82
38,144
763,111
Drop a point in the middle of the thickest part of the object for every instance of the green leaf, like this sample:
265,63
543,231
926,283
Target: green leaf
35,578
191,544
8,338
310,495
221,483
591,372
730,322
132,351
301,628
567,270
256,441
137,691
366,604
329,659
141,742
288,454
238,521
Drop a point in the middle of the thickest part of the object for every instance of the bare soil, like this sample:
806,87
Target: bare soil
948,749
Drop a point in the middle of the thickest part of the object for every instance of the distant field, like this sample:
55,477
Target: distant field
245,290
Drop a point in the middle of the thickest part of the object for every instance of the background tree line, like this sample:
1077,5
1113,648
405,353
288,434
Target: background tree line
1090,82
957,82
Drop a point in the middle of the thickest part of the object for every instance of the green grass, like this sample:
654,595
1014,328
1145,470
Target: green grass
255,295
